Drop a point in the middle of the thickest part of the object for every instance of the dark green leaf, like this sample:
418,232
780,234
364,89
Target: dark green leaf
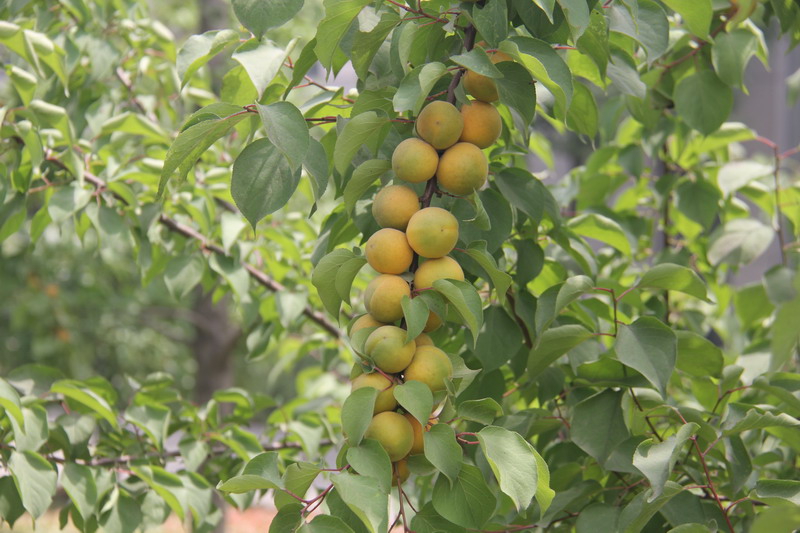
416,86
339,14
363,177
672,277
468,501
731,53
416,314
359,130
79,483
443,451
554,343
324,278
500,280
603,410
697,355
477,60
784,489
483,411
491,20
517,90
416,398
260,15
367,44
649,346
577,13
703,101
287,130
465,300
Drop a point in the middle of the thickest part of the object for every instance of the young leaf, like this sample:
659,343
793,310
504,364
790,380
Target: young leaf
9,400
443,451
603,229
468,501
416,398
357,413
513,463
200,49
649,346
262,60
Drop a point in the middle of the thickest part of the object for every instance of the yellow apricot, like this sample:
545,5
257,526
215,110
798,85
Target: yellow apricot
385,400
432,232
434,269
388,349
400,471
482,123
423,340
364,321
431,366
462,169
433,323
414,160
388,252
394,205
419,440
482,87
440,124
393,432
383,297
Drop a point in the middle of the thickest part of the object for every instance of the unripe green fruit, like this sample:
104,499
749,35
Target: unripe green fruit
388,349
393,432
385,400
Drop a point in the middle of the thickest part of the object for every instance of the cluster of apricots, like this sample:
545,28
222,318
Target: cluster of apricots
448,149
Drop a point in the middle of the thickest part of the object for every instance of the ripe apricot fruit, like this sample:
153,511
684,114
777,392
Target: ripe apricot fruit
388,252
423,340
393,431
431,366
482,123
434,269
418,446
439,124
433,323
394,205
462,169
432,232
388,349
415,160
364,321
400,471
383,297
482,87
385,400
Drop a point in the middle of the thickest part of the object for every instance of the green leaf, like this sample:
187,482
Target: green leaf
339,14
359,130
465,300
367,44
297,478
672,277
513,463
642,508
288,518
544,494
200,49
10,503
703,101
152,419
483,411
167,485
477,60
698,356
648,26
135,124
737,174
582,115
697,15
324,275
650,347
500,280
554,343
79,483
427,520
362,179
784,489
416,86
66,201
326,524
35,432
182,274
370,460
359,494
124,517
545,65
517,90
262,61
731,53
346,274
594,41
9,401
468,501
656,460
35,479
260,473
740,241
442,450
500,339
491,21
357,413
556,298
577,13
743,417
524,191
624,75
597,517
75,390
262,180
287,130
603,410
260,15
603,229
416,398
416,313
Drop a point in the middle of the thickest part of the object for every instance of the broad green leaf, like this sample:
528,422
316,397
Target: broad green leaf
362,179
491,21
777,519
517,90
698,356
649,346
740,241
577,14
326,524
367,44
743,417
730,54
443,451
558,297
785,333
287,130
672,277
260,473
297,479
582,115
166,484
500,280
601,228
697,14
477,60
622,71
703,101
260,15
594,41
35,479
427,520
66,201
545,65
339,14
317,166
500,339
784,489
513,463
75,390
597,517
370,460
153,420
262,61
648,26
641,509
416,398
288,518
262,180
124,517
182,274
9,401
554,343
136,124
357,414
524,191
603,410
11,507
465,300
416,86
737,174
324,275
78,482
200,49
346,274
544,494
416,314
34,433
359,130
468,501
656,460
360,495
483,411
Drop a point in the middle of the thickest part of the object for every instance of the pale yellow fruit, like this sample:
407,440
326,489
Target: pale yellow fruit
388,251
435,269
388,349
393,432
385,400
463,169
432,232
383,297
482,123
431,366
440,124
414,161
394,205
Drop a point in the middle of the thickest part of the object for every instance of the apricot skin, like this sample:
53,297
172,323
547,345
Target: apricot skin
440,124
415,160
388,349
482,124
419,443
431,366
385,400
423,340
393,432
462,169
434,322
394,205
400,471
432,232
435,269
482,87
383,297
388,252
364,321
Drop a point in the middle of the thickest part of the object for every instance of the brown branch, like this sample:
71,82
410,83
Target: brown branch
469,42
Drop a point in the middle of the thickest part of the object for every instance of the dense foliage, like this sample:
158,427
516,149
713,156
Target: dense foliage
607,374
